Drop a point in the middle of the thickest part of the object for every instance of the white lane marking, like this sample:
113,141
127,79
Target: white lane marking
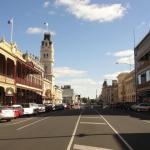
31,124
74,132
91,117
146,121
84,147
20,121
93,123
121,138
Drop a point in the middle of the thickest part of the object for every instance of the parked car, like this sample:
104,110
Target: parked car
141,107
49,107
76,106
18,110
41,108
59,107
30,108
6,113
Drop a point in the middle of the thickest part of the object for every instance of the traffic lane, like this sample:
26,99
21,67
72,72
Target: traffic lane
57,128
24,119
132,128
94,132
8,131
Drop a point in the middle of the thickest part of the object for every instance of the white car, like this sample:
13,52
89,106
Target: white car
30,108
6,113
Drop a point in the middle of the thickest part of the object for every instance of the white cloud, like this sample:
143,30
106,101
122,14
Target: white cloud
84,86
126,60
125,57
83,9
36,30
124,53
46,4
68,72
113,76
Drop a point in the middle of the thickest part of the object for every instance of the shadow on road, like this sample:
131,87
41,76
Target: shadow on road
130,137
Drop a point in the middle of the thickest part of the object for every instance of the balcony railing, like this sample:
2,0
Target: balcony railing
144,85
6,79
28,83
144,65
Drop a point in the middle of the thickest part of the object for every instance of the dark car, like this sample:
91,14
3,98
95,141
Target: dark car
49,107
59,107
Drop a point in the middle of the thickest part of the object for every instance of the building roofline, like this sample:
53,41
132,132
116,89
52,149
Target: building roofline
148,34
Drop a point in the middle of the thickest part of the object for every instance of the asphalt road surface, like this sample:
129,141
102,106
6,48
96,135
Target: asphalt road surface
89,128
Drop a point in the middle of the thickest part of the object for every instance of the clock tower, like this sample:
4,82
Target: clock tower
47,56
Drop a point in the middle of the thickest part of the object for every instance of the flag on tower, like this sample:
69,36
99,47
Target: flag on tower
11,21
46,24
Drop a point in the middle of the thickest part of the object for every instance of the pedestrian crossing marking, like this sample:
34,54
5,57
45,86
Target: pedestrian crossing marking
84,147
92,123
92,117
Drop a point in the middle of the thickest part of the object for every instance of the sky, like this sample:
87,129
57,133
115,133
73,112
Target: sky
93,39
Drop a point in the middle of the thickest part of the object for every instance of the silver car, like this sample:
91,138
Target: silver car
141,107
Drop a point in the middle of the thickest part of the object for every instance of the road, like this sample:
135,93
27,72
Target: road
85,129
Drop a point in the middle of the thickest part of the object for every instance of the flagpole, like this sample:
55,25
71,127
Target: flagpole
46,25
11,34
11,23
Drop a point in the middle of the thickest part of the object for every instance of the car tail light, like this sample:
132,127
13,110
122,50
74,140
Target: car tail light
0,111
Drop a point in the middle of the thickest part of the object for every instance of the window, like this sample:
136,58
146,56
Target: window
143,77
148,75
139,79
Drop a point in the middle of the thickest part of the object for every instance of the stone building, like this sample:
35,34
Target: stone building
142,69
24,78
68,94
20,76
47,60
109,93
126,87
129,81
121,87
58,95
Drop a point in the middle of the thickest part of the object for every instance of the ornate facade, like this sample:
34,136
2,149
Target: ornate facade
20,76
24,78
